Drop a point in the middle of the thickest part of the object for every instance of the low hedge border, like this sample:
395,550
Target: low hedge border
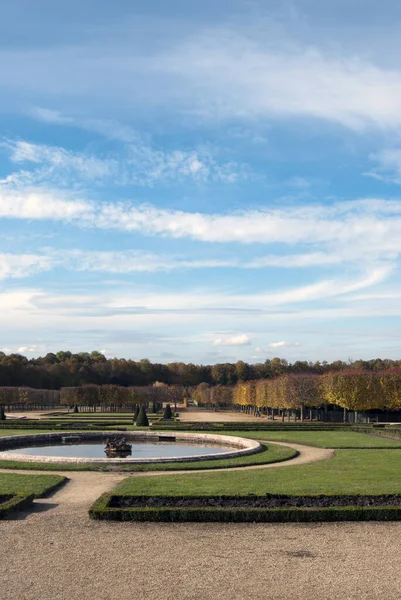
241,426
56,426
15,502
101,510
390,433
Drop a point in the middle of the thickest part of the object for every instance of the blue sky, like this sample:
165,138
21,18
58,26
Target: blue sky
202,182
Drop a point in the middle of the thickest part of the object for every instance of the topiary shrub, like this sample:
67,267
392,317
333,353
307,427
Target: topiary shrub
168,413
2,414
136,413
75,408
142,420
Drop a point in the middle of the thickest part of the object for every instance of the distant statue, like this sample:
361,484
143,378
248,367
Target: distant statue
117,447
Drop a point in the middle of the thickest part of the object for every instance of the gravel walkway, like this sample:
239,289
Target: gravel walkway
57,553
52,556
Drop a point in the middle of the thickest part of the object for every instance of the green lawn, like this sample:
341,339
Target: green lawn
10,432
322,439
349,472
39,485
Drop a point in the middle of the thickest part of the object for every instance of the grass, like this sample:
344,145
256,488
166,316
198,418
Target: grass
321,439
10,432
349,472
268,455
38,485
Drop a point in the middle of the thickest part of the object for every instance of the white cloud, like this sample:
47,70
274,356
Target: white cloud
225,72
233,340
364,231
55,161
134,261
37,203
283,344
136,164
106,127
388,165
22,265
131,261
245,77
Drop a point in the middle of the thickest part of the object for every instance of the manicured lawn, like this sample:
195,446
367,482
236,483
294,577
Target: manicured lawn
322,439
10,432
39,485
349,472
268,455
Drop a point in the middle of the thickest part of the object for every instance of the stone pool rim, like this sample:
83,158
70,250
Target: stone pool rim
241,446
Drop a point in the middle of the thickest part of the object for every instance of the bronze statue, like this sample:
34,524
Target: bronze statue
118,447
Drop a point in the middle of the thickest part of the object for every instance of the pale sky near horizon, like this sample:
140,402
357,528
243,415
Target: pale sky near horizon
203,182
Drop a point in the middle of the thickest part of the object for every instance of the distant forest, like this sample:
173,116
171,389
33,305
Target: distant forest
65,369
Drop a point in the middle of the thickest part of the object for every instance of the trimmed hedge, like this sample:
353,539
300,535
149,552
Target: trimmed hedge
168,413
15,502
56,426
101,510
391,433
241,426
142,420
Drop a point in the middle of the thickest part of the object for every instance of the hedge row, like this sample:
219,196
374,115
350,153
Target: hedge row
240,426
101,510
55,426
15,502
387,432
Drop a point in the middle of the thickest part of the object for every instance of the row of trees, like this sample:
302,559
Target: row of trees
28,396
108,397
355,390
65,369
351,390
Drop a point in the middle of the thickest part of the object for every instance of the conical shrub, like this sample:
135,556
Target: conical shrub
2,414
168,413
136,413
75,408
142,420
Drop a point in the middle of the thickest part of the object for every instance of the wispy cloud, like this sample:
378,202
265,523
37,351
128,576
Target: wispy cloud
136,164
23,265
55,161
388,165
367,230
225,72
108,128
232,340
264,78
283,344
40,204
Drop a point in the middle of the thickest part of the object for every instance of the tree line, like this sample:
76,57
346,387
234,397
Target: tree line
351,390
65,369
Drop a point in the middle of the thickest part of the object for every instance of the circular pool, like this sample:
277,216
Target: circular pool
146,447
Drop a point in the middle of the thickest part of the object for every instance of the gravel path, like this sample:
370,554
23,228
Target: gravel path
48,556
57,553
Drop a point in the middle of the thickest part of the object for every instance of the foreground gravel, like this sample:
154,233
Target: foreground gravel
57,553
51,556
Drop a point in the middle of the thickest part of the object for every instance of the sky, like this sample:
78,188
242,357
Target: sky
201,181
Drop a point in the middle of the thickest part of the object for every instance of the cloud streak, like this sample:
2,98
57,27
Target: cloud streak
233,340
223,72
137,164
